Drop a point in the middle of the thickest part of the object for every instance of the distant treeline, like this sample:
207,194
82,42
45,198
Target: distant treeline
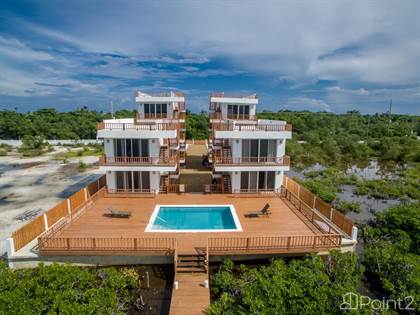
321,137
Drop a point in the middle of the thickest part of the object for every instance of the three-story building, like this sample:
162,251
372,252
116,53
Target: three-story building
143,154
248,154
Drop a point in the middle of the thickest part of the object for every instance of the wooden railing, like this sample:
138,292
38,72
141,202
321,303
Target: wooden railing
146,191
281,161
222,94
301,242
48,245
241,117
50,218
250,127
324,225
131,126
153,116
124,160
296,192
257,191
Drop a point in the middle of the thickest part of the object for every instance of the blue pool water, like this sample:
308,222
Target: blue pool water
194,218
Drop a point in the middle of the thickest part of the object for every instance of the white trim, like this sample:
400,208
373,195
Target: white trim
149,227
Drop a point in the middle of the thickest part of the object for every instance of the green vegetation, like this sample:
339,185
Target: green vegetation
84,150
4,149
60,289
302,286
392,252
33,146
337,140
197,126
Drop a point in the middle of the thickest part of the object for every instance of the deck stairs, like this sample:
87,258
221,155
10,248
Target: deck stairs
191,263
163,154
227,154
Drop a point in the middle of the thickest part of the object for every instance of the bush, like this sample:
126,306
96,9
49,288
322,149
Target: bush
63,289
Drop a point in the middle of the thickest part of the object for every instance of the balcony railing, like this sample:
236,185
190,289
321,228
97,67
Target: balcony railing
131,126
241,117
215,115
250,160
128,160
222,94
250,127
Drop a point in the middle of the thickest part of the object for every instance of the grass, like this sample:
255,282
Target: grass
85,151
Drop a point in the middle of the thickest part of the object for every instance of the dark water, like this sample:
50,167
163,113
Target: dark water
369,205
154,299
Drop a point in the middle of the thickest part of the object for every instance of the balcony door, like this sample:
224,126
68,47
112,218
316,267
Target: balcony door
251,181
254,149
132,181
238,111
131,147
155,110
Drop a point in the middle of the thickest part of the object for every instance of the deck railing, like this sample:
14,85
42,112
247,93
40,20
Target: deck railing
91,244
241,117
280,161
132,126
128,160
250,127
301,242
145,191
257,191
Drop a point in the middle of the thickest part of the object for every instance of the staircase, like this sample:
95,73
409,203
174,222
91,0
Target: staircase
226,184
163,186
191,263
227,154
163,155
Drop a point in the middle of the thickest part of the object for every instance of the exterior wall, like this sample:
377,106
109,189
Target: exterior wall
109,147
111,180
235,178
154,147
278,180
255,134
224,111
281,147
154,180
136,134
236,145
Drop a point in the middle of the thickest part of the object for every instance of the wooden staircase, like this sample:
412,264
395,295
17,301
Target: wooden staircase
227,154
191,263
163,155
164,183
226,184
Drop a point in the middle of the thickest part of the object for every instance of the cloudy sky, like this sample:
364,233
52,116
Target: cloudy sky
315,55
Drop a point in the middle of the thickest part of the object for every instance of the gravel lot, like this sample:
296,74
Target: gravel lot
36,184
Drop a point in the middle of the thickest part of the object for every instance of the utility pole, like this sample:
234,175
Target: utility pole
389,116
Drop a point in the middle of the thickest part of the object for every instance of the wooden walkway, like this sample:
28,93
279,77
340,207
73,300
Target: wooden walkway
191,297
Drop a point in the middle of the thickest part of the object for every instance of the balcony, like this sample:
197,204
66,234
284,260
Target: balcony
251,127
137,161
132,126
250,160
241,117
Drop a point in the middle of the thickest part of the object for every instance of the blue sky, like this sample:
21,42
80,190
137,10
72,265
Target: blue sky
313,55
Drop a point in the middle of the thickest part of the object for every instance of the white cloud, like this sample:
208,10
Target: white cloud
302,103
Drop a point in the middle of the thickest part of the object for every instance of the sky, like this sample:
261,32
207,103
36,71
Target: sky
298,55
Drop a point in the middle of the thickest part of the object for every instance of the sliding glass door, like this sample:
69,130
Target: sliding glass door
132,181
257,180
155,110
131,147
262,148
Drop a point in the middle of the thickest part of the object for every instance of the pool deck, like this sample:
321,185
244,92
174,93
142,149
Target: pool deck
285,220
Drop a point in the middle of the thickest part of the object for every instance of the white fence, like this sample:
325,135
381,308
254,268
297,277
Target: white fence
17,143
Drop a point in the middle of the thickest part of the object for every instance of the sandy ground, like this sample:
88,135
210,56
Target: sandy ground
37,184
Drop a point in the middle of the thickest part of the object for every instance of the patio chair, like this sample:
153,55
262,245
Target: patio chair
119,213
255,214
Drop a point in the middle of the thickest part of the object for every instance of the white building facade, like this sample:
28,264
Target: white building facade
248,154
144,153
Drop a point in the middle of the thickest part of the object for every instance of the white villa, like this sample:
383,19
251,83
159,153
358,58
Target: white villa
143,154
248,154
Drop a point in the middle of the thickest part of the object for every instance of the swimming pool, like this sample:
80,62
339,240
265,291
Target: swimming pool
194,218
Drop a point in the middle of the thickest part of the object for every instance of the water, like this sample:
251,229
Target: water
369,206
194,218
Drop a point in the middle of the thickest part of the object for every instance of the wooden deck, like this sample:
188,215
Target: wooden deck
191,297
94,224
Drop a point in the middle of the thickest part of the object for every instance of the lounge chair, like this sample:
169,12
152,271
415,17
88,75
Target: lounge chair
255,214
119,214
